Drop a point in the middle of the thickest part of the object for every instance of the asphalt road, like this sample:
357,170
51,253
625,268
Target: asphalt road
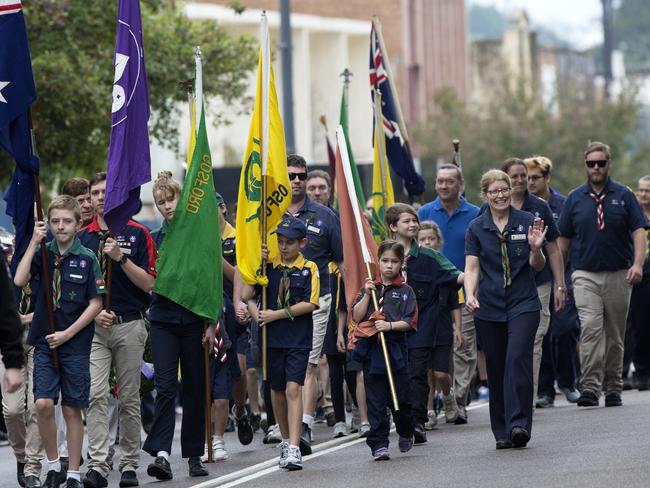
571,447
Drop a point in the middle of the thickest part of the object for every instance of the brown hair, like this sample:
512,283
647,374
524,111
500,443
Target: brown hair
65,202
598,146
431,225
75,186
541,163
296,161
510,162
319,173
391,245
165,183
459,172
394,211
98,178
490,177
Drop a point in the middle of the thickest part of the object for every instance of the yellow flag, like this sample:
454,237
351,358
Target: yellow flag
249,203
382,194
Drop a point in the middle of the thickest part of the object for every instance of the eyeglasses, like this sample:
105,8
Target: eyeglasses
600,162
501,191
535,177
300,176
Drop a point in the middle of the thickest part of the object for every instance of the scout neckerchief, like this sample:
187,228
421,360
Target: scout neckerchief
505,261
103,262
25,300
599,198
284,290
56,279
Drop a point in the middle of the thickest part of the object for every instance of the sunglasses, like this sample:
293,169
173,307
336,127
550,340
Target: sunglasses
300,176
601,163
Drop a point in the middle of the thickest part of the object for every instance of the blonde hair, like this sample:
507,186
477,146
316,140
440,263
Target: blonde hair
598,146
65,202
165,183
492,176
542,163
431,225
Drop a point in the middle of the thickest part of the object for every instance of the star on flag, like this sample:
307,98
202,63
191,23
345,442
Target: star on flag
3,84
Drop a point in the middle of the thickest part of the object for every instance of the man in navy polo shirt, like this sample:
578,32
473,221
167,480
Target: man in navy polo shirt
323,245
453,214
119,338
604,219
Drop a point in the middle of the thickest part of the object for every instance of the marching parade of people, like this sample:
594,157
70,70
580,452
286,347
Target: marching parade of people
301,302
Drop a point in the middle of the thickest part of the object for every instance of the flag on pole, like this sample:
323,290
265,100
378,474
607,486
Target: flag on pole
129,160
344,123
189,266
17,93
396,137
359,247
265,156
382,188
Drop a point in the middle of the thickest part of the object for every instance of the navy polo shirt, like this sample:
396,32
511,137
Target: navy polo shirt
431,276
444,335
398,304
136,244
163,309
323,239
610,249
452,226
81,280
229,253
499,303
303,287
556,204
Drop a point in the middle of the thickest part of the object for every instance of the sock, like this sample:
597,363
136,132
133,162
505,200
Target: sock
54,465
163,454
217,437
295,447
484,383
75,475
309,420
285,440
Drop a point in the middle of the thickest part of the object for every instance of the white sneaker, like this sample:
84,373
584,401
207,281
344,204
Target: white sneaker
340,429
284,452
432,422
294,459
364,429
356,420
219,452
273,436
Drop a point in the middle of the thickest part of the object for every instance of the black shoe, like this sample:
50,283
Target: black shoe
613,400
588,399
230,424
244,430
65,462
20,473
255,419
196,467
94,479
330,418
319,418
160,469
305,440
504,444
32,481
54,479
462,416
73,483
519,437
643,384
628,384
544,401
419,435
128,478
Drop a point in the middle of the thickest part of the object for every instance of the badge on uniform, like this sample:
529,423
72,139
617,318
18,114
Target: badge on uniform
518,237
313,229
73,263
83,264
305,272
132,239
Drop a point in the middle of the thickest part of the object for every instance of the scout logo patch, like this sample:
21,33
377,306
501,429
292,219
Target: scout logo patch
73,263
520,228
83,264
132,239
72,295
305,272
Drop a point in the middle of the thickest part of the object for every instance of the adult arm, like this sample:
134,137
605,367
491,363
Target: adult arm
564,243
556,263
138,276
472,270
635,273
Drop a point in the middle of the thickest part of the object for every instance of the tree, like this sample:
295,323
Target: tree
513,124
72,43
631,35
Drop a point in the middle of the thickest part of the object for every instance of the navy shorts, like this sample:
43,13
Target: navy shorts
72,379
439,358
242,341
223,376
352,364
287,365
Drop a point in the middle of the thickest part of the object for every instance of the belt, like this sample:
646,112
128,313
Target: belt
128,317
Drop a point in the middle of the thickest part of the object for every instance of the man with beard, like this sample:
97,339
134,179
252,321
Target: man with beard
607,224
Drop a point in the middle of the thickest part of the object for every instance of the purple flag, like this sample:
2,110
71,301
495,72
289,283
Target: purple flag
129,160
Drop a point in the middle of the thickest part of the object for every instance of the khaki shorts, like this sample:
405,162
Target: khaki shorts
320,318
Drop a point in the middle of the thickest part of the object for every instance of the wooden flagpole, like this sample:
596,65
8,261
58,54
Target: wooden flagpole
266,75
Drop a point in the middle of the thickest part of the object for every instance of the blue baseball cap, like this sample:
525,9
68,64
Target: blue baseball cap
292,228
219,198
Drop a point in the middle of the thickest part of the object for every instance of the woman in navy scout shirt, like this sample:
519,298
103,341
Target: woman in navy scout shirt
503,249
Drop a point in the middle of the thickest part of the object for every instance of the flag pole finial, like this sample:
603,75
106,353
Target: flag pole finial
347,74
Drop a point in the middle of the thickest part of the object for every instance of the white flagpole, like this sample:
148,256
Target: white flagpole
198,83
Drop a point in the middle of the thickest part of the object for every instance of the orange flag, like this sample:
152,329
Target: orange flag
359,247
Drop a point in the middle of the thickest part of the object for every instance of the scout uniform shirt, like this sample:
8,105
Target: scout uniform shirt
304,286
432,277
80,280
398,303
229,254
136,244
609,249
500,301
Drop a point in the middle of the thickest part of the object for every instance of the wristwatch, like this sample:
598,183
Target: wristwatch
123,259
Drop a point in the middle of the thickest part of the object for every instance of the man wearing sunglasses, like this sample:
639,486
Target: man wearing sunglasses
606,222
323,245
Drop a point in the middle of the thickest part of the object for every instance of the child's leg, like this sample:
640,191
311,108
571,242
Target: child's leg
75,434
403,417
432,388
279,400
252,387
419,359
444,381
293,405
239,389
47,427
377,398
336,363
361,397
220,409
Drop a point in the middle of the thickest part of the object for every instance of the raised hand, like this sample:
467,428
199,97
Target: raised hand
536,234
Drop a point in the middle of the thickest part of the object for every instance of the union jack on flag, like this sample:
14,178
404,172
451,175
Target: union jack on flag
397,149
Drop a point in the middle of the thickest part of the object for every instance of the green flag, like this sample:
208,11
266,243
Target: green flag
189,266
343,121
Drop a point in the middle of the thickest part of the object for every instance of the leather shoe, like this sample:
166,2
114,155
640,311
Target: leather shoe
32,481
196,467
504,444
94,479
588,399
613,399
544,401
160,469
129,478
419,434
519,437
20,473
305,440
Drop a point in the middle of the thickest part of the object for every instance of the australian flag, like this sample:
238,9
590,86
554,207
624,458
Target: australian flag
17,93
397,149
129,159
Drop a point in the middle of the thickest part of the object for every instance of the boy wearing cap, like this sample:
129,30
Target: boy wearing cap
292,292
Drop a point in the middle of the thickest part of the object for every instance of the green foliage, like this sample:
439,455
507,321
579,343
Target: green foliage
631,33
72,43
513,124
